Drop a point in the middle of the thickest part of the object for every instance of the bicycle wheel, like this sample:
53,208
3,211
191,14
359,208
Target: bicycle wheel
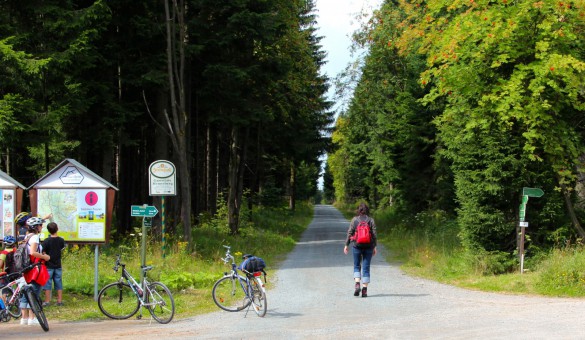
259,302
229,294
161,304
118,301
37,308
13,307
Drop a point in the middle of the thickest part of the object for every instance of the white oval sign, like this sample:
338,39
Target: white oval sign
162,179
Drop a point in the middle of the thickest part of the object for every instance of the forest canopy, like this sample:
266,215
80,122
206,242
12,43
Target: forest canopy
230,91
462,104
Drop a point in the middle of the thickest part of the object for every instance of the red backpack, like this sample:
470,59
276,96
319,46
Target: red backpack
363,233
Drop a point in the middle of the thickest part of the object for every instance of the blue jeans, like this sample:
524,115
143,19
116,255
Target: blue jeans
36,289
361,263
56,277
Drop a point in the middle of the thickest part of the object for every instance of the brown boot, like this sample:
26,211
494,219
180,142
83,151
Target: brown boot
357,289
364,292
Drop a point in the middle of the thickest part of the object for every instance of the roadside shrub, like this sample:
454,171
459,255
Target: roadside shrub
561,274
493,262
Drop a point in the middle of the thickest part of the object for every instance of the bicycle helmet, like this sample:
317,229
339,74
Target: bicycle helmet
9,240
34,222
21,218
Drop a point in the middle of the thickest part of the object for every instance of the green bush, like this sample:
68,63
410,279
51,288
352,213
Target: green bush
493,262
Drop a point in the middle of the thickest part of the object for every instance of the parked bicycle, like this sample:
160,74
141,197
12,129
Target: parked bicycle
235,292
13,290
122,299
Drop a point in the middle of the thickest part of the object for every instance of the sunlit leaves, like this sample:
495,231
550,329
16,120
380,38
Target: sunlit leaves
510,74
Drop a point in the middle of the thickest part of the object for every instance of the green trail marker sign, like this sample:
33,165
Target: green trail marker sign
522,212
526,192
143,211
532,192
147,212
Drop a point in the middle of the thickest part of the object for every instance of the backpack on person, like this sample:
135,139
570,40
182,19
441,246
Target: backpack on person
363,234
22,257
9,265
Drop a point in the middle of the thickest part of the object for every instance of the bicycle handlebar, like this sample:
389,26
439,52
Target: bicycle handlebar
118,264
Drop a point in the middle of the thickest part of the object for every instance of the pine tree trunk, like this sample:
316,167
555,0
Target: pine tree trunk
292,198
211,171
235,178
178,119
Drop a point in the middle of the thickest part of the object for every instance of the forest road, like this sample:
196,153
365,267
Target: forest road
311,296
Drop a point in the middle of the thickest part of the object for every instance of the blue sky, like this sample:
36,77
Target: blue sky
336,22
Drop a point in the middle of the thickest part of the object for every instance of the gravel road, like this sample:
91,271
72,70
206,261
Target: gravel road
311,296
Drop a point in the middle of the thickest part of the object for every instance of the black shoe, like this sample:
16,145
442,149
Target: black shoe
364,292
357,289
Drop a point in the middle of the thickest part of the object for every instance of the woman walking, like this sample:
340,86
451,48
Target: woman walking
362,250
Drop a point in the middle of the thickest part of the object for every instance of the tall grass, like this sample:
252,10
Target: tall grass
561,273
190,273
427,245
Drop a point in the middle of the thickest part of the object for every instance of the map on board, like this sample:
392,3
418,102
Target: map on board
62,203
79,213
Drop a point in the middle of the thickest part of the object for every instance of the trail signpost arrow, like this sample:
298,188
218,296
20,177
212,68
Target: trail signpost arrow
532,192
526,192
143,211
147,212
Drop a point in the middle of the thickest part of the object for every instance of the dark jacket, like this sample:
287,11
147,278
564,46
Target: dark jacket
353,225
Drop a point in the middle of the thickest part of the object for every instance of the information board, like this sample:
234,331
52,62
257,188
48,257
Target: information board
79,213
7,211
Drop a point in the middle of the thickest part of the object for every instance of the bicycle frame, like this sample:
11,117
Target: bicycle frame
138,288
16,288
126,297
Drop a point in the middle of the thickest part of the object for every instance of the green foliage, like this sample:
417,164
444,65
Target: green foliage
561,273
385,141
503,116
182,280
493,263
87,81
458,106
